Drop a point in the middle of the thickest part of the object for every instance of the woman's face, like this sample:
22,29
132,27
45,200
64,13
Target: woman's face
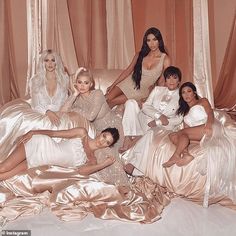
188,94
172,82
83,84
152,42
104,140
50,63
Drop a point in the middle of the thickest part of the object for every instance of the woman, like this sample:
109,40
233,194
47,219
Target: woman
190,105
90,103
48,90
37,148
146,68
210,177
49,87
158,110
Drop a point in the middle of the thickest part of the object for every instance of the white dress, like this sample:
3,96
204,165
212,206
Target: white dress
43,150
211,174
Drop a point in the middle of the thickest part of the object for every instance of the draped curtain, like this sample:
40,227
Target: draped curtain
224,94
202,58
105,34
13,49
120,34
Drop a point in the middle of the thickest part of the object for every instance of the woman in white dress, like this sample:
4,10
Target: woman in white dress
37,148
48,91
194,109
210,177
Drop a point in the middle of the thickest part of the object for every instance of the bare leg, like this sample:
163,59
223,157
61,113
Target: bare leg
126,144
115,92
129,141
14,159
117,101
115,97
19,168
184,137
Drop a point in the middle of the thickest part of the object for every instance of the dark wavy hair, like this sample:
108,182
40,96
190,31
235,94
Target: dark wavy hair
172,71
183,106
136,76
114,133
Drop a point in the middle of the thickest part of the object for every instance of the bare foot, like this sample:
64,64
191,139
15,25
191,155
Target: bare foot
184,160
171,161
129,168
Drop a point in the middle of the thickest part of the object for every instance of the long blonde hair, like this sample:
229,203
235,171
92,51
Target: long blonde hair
37,81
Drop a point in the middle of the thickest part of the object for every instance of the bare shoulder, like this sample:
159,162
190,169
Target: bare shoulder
204,102
167,61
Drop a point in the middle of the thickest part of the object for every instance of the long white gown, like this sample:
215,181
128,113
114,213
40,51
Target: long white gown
42,150
210,176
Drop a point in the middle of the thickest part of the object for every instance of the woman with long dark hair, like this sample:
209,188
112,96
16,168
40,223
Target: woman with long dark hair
198,121
146,68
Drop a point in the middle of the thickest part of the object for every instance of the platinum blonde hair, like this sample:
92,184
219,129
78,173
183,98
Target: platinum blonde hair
81,71
38,80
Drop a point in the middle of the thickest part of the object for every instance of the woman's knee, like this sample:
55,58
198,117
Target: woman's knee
173,137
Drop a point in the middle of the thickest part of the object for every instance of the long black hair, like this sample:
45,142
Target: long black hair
136,76
183,106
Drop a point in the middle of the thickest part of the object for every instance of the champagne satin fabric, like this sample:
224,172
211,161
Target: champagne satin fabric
71,196
17,118
208,179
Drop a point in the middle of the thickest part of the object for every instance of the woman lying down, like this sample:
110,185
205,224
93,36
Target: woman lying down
72,193
37,148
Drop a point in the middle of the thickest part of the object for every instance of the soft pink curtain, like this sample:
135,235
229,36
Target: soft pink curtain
13,51
174,20
88,24
4,56
224,94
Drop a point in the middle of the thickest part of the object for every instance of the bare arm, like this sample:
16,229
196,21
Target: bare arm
70,133
210,115
125,73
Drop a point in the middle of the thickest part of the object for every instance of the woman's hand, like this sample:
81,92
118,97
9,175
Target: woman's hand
110,88
25,138
152,124
164,120
53,117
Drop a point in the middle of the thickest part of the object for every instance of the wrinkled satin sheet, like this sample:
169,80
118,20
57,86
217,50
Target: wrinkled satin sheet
17,118
71,196
208,179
